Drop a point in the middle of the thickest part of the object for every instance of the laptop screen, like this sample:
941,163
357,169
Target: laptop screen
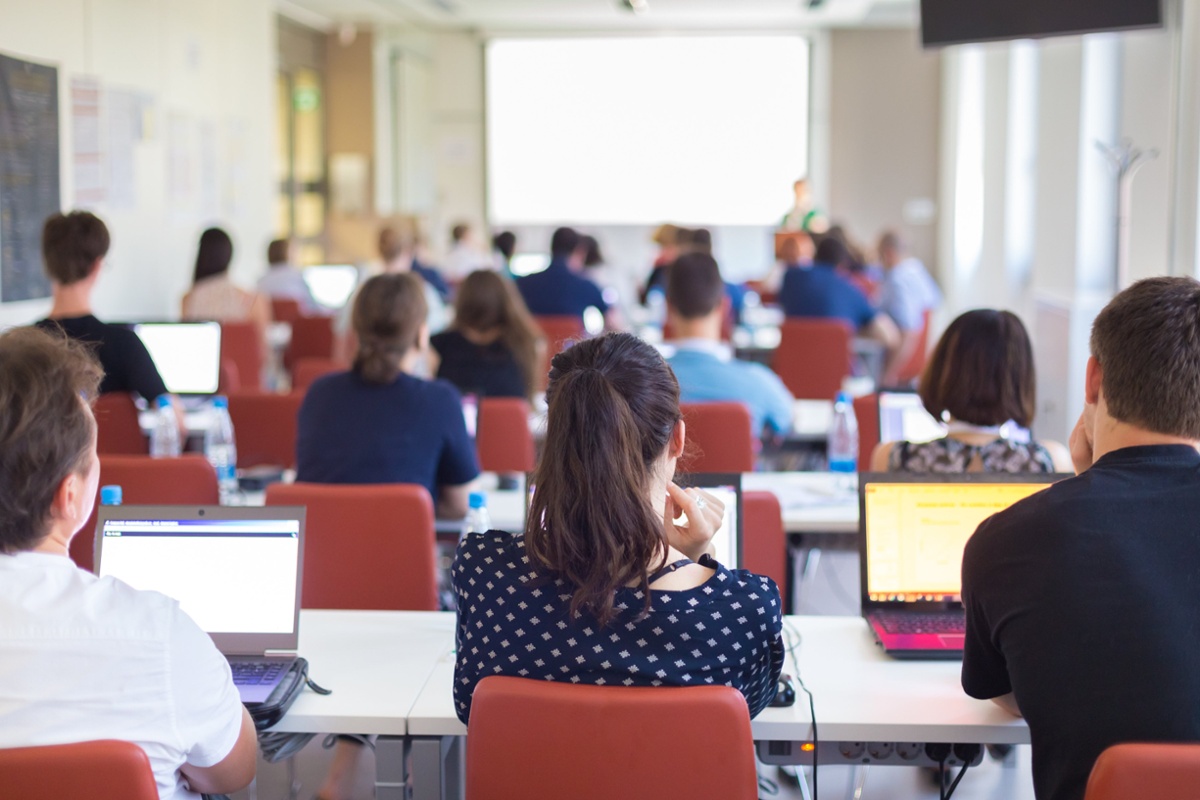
915,532
331,284
187,354
235,573
903,418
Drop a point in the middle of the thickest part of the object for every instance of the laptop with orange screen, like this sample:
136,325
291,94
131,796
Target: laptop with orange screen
913,529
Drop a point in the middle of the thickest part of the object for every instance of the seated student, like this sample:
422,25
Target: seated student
284,281
703,364
81,657
699,240
1081,599
559,289
491,349
980,380
604,585
378,423
464,257
504,246
906,293
73,248
214,295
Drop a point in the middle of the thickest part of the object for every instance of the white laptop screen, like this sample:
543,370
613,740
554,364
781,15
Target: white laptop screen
331,284
903,418
187,354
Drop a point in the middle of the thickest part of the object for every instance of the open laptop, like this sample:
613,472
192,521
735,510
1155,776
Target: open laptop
235,571
913,529
186,354
903,418
331,284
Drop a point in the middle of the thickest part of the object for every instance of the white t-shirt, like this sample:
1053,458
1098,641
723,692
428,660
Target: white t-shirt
85,658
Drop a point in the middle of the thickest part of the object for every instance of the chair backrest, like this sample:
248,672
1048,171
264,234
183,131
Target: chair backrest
502,437
117,429
536,740
866,413
312,337
764,540
559,331
719,436
242,345
916,362
813,357
100,770
1164,771
185,480
264,426
285,309
367,547
307,370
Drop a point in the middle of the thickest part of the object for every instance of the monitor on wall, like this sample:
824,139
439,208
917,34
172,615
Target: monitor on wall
946,22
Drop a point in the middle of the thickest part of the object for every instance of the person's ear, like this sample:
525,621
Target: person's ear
94,270
678,437
1093,381
63,503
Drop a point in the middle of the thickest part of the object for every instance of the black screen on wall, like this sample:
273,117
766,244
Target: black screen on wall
958,21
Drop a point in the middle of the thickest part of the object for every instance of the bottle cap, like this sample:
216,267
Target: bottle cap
163,401
842,397
110,495
477,500
220,401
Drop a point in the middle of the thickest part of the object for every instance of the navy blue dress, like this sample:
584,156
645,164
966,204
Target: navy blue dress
514,621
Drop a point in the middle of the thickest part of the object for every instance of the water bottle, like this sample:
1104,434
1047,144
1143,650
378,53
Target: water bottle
164,438
221,450
842,445
477,519
110,495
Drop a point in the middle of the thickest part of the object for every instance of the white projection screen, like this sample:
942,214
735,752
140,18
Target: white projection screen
612,131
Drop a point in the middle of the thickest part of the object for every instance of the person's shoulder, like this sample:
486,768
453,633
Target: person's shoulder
1028,518
332,384
497,550
743,587
121,602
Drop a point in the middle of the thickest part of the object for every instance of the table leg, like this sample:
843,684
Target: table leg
390,768
437,768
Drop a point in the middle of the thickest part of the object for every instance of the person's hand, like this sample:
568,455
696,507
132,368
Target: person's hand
704,515
1082,440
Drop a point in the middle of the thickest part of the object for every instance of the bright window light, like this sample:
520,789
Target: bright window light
695,130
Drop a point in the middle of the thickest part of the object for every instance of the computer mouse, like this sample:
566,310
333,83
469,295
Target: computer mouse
785,692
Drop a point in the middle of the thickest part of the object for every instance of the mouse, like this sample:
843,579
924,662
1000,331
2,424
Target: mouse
785,692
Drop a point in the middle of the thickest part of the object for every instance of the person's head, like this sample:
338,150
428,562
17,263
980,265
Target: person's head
460,233
564,243
694,286
213,255
683,240
592,257
891,249
796,248
389,320
801,191
505,243
279,252
487,303
1146,346
73,245
832,251
981,371
48,465
613,434
392,244
701,241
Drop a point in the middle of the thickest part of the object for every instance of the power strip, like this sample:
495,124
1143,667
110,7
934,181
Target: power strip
897,754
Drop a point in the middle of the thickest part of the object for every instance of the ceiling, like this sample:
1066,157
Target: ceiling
501,16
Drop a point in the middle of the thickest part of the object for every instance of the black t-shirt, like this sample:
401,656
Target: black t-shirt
489,370
1084,601
126,362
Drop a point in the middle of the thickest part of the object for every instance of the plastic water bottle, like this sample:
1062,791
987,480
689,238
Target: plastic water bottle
477,519
164,438
111,495
842,445
221,450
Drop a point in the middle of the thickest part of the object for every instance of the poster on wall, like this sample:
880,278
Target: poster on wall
29,174
86,152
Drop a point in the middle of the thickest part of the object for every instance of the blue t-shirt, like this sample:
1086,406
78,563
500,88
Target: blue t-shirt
433,278
818,291
557,291
409,431
707,374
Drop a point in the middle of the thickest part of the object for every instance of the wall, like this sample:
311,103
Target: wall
350,130
208,70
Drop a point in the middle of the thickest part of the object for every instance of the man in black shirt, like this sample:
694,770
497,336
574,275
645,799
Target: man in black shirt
1083,601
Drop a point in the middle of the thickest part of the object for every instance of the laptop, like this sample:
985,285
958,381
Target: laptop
187,356
913,529
903,418
331,284
235,571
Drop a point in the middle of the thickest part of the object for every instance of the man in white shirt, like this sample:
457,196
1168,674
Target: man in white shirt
284,281
81,657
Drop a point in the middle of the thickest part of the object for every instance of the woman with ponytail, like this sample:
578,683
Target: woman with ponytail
613,580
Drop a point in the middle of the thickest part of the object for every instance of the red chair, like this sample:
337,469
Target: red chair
367,547
188,480
99,770
559,332
307,370
538,740
264,425
242,345
1164,771
118,431
719,437
285,310
764,541
502,438
866,413
312,337
813,357
915,365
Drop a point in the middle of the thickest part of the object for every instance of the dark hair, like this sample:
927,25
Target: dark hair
694,285
487,302
459,230
506,243
564,242
1147,342
71,244
592,257
981,371
614,404
278,251
46,430
831,251
213,255
387,317
701,241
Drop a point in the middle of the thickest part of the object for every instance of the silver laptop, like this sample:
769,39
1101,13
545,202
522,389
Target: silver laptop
235,571
331,284
903,418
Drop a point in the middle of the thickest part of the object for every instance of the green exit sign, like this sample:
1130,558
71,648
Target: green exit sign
306,98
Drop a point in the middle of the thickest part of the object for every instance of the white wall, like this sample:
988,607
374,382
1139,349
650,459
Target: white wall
211,63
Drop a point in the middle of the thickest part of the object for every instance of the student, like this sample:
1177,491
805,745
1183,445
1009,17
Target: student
604,586
559,290
463,258
492,347
378,423
214,296
81,657
1081,599
906,293
283,280
981,381
504,246
703,364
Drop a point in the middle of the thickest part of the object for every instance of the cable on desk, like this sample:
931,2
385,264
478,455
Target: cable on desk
792,642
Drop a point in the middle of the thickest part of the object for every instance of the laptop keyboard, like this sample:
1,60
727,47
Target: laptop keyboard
255,673
908,622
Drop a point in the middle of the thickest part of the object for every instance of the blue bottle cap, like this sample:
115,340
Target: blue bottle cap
842,397
110,495
163,401
477,500
220,401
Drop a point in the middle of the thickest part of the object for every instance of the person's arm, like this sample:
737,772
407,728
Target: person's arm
883,330
452,501
695,538
1059,455
231,773
1009,703
458,463
1081,442
613,320
908,343
881,455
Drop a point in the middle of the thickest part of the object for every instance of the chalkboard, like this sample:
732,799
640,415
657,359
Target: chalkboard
29,174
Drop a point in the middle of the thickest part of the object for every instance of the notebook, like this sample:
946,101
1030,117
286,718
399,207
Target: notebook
186,354
903,418
235,571
913,529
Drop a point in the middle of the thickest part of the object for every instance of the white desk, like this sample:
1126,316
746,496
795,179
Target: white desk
812,502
